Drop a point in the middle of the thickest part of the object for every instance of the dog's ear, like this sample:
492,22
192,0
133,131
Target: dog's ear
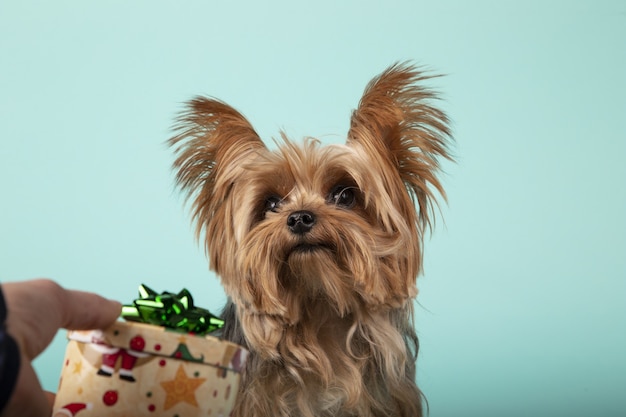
399,128
213,143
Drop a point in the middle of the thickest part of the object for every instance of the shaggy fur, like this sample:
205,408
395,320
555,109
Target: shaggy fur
319,248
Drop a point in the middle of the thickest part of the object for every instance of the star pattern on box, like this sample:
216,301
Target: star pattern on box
181,389
78,367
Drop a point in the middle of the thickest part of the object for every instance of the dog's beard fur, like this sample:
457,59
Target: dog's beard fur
325,308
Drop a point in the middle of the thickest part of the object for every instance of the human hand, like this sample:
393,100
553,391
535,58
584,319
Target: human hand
36,310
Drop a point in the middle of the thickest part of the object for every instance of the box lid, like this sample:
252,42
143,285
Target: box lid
141,339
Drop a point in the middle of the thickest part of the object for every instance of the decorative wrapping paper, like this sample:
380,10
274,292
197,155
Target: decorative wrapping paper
135,369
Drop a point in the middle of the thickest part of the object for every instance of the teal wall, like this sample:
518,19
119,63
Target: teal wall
522,310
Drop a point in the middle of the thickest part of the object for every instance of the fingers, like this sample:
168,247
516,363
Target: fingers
28,399
50,397
84,310
52,306
36,309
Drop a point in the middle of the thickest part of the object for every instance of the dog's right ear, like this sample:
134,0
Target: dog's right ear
212,144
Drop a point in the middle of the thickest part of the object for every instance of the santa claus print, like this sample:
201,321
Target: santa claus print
111,355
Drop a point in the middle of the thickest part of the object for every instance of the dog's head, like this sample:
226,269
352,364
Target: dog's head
339,227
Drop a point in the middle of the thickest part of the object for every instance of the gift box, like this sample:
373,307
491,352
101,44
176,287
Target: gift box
135,369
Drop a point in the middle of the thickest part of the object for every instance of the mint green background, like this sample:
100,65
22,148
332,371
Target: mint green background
522,310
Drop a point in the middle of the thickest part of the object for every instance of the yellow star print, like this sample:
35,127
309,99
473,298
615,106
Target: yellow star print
78,367
181,389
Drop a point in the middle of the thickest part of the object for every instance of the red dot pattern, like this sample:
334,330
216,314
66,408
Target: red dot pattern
137,343
109,398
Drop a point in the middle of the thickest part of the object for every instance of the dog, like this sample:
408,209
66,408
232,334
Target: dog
319,247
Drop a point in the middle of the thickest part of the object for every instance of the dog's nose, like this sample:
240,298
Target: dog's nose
300,222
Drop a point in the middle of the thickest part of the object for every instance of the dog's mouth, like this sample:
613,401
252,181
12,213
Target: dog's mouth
308,247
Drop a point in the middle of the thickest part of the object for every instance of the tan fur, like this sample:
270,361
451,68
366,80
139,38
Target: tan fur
330,328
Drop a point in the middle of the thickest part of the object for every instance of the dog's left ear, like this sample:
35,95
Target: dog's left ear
400,129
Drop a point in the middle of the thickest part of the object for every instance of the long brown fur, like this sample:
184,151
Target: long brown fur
330,324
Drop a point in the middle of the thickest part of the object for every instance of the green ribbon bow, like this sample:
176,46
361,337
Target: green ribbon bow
173,311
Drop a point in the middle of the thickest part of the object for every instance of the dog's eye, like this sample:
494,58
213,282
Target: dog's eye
342,196
272,203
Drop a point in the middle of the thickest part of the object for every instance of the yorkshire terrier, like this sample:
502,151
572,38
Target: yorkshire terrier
319,247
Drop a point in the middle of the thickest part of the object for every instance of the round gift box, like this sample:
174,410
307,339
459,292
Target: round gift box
136,369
